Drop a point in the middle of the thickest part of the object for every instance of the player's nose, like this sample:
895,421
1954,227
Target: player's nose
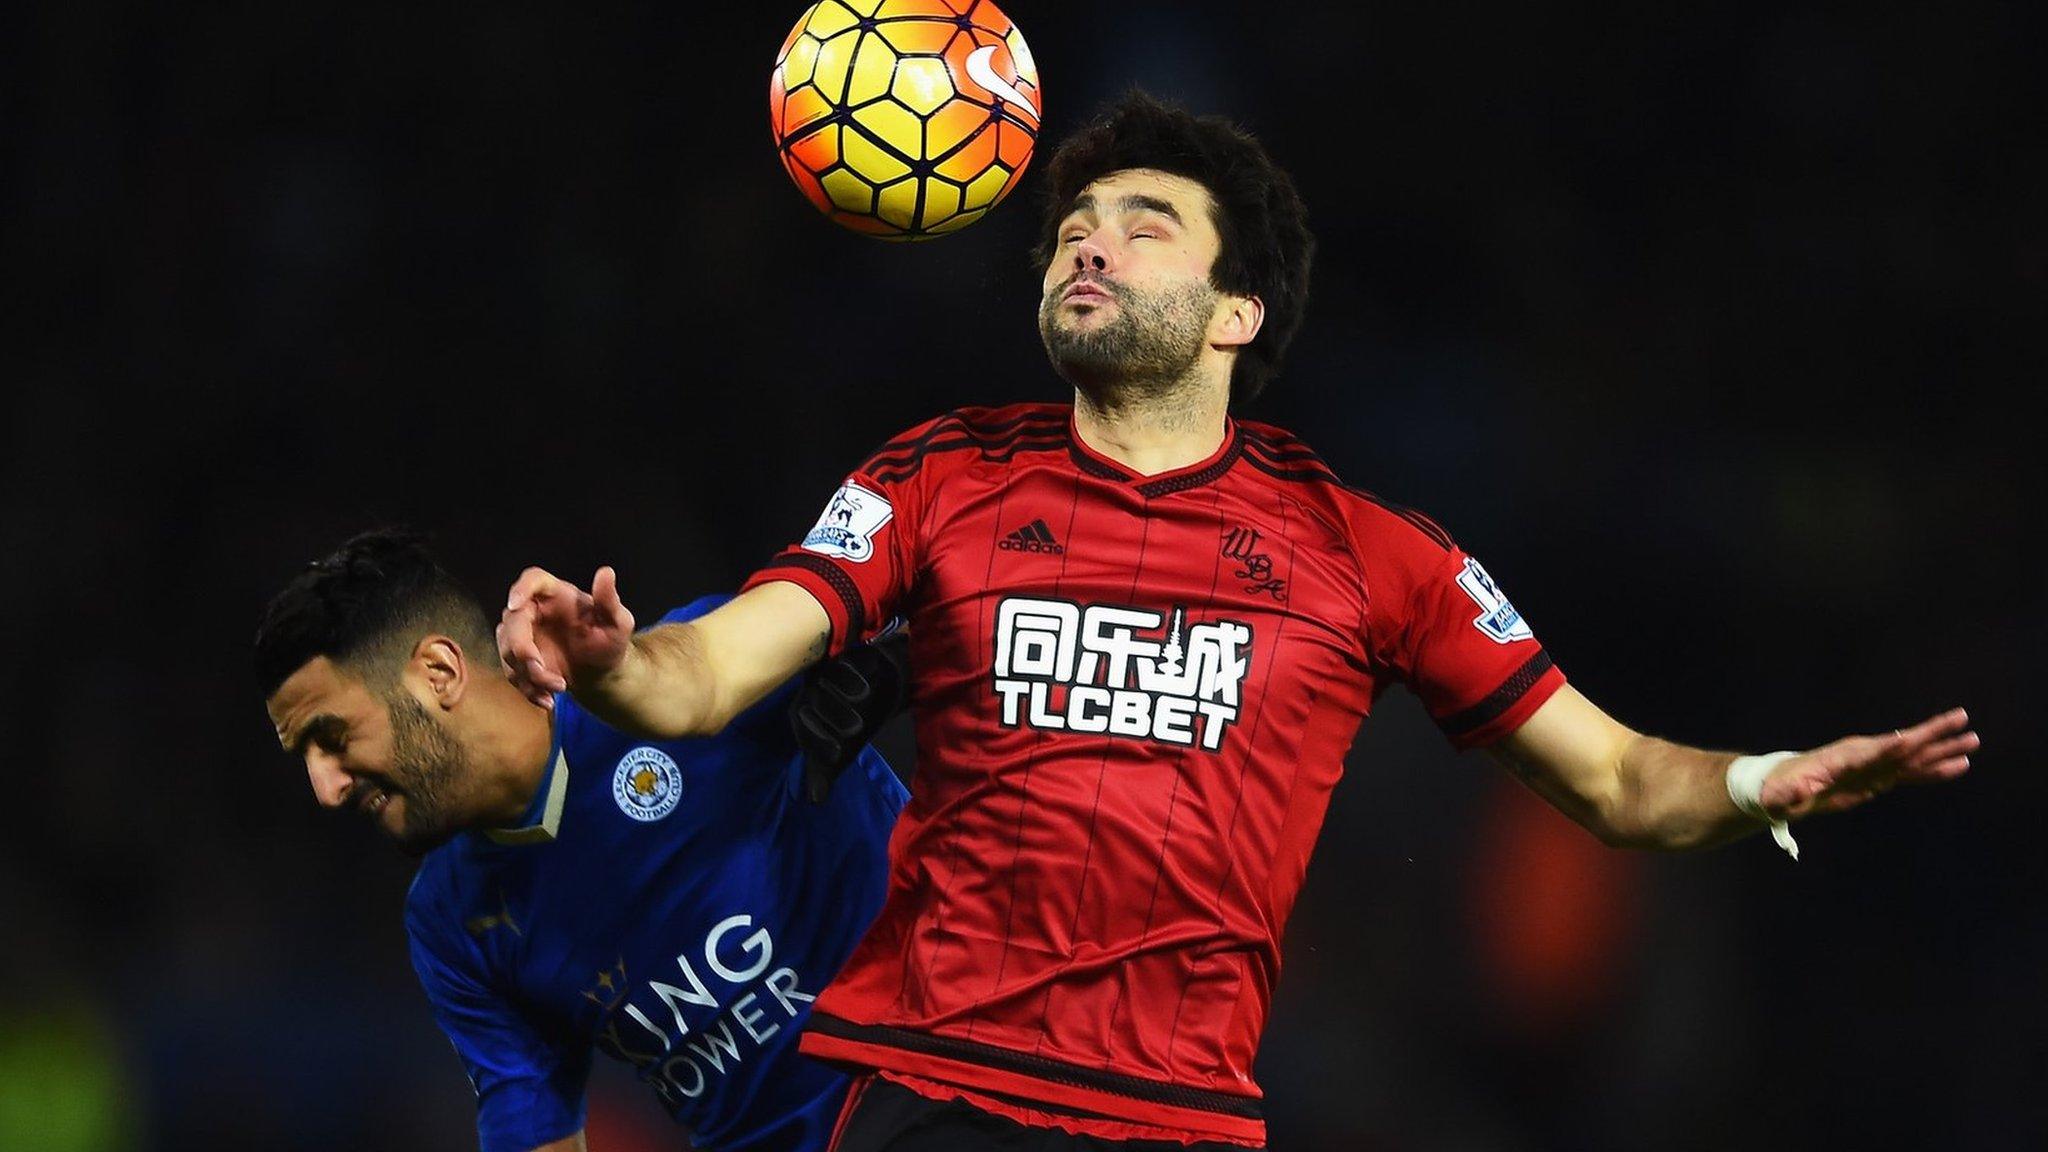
1091,254
331,783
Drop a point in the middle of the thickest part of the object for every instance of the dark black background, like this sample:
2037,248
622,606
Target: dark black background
1712,329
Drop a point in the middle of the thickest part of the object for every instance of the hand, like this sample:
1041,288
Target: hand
1854,769
554,635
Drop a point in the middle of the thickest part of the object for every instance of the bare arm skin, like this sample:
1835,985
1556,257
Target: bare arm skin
1637,791
672,681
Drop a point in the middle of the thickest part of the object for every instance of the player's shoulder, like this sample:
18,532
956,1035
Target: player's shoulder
973,433
1377,524
436,894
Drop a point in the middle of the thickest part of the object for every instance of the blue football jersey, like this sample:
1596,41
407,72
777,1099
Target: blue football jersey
675,904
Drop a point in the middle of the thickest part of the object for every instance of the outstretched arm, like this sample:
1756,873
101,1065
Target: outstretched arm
1637,791
676,680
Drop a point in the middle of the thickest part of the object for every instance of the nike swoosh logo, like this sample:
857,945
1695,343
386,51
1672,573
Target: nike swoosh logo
979,71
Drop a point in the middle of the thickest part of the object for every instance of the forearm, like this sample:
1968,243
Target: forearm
691,679
664,689
1630,790
1672,797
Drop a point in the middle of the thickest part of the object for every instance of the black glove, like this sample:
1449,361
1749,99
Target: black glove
843,704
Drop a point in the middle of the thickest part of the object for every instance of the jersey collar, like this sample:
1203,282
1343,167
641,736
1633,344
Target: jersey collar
543,819
1165,483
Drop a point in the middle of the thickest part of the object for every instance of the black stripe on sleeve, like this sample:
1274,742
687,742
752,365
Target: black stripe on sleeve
1499,700
838,581
949,432
898,470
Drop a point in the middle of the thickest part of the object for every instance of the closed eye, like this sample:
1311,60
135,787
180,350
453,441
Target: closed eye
327,732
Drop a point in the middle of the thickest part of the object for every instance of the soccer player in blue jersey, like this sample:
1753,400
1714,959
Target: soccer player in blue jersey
676,904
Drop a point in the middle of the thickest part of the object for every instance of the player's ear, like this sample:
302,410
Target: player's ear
1236,320
442,667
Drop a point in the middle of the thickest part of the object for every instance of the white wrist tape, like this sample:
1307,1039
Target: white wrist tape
1746,785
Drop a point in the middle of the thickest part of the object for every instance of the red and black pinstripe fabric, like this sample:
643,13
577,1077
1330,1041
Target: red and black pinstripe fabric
1089,887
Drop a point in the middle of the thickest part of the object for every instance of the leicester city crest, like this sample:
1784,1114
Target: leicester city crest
647,784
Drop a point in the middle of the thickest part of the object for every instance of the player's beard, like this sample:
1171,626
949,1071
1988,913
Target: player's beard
1145,351
426,766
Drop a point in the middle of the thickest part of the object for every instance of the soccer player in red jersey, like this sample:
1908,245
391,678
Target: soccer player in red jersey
1143,635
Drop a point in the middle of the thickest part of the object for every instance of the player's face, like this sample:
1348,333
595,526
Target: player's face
383,756
1127,297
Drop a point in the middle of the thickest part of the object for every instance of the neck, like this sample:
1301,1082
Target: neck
1151,432
511,754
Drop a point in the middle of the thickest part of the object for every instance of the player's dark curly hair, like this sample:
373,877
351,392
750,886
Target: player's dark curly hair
365,606
1267,247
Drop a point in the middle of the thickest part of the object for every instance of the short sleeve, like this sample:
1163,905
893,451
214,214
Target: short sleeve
862,557
529,1090
1447,630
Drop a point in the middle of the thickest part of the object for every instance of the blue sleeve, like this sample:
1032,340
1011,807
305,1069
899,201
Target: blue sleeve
529,1090
694,608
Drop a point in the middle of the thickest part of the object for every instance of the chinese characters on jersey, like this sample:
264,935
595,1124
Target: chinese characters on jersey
1117,670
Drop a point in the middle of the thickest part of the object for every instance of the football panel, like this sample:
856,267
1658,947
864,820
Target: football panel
869,160
873,64
789,40
918,35
972,158
803,108
1013,144
994,20
937,9
817,151
960,221
849,192
952,124
1020,56
829,19
897,203
1011,183
892,125
799,61
835,61
941,200
922,84
807,184
984,190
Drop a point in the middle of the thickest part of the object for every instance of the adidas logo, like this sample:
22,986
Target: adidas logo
1033,537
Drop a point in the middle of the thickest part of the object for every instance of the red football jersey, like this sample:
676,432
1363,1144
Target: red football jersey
1132,698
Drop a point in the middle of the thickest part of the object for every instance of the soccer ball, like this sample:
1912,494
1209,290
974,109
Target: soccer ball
904,119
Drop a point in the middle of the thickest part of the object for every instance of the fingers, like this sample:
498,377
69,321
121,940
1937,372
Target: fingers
1937,748
519,649
532,583
604,594
503,666
1937,727
520,655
